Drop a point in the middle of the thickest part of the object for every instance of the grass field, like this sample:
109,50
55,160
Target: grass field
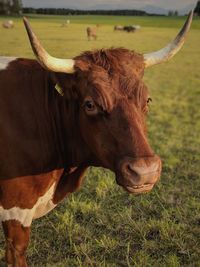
101,225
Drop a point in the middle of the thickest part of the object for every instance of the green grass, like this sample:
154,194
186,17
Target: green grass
144,21
101,225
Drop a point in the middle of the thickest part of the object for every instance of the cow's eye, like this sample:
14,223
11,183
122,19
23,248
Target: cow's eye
90,107
149,100
146,108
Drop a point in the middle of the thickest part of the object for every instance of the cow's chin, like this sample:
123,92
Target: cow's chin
135,189
138,189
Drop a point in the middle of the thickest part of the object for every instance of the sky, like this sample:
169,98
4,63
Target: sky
114,4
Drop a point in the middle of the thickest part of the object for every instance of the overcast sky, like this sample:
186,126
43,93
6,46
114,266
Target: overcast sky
115,4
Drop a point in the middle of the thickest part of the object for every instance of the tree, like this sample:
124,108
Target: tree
10,6
16,7
4,7
197,9
170,13
176,13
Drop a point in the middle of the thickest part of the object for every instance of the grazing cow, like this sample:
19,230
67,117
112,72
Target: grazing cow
129,29
65,24
91,33
118,28
48,140
9,24
137,27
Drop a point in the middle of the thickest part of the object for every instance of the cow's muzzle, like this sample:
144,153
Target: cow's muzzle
139,175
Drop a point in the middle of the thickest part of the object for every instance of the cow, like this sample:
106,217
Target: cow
91,33
137,27
118,28
9,24
129,28
48,139
66,23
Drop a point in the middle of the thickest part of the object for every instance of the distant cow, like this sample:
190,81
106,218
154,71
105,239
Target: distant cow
118,28
9,24
65,24
91,33
137,27
129,28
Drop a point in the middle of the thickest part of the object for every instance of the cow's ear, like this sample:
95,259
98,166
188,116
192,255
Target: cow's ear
64,84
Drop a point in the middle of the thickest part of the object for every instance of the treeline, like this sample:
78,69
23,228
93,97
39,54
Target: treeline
66,11
197,9
8,7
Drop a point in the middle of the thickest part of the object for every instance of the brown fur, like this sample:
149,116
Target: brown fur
17,239
23,192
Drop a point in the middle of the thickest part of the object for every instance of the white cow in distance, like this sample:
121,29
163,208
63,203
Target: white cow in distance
9,24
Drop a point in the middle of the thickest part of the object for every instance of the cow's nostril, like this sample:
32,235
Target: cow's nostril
130,169
141,167
139,174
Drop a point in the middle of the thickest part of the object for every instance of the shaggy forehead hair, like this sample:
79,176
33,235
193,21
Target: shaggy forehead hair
112,60
113,71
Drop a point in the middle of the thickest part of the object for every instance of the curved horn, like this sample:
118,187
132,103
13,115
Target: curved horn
47,61
171,49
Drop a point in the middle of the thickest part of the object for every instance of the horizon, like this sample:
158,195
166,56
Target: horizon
157,6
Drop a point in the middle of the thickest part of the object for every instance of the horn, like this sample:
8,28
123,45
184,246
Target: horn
46,60
171,49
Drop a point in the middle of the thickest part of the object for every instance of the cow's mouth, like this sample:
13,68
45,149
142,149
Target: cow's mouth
139,189
136,189
138,175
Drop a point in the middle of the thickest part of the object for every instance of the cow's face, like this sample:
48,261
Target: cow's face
113,102
113,106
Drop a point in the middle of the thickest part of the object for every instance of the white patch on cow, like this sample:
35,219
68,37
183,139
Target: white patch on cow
43,205
4,62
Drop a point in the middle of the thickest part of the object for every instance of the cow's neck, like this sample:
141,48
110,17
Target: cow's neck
72,147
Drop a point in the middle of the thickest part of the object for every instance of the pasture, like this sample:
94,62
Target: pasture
102,225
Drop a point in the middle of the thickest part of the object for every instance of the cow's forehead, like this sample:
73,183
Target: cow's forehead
122,83
110,90
110,75
114,60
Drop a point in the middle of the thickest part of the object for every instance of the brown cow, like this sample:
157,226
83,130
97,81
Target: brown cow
48,140
91,33
129,29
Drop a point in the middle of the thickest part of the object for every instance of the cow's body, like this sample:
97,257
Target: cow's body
26,198
33,134
91,33
34,120
35,173
9,24
118,28
36,197
129,28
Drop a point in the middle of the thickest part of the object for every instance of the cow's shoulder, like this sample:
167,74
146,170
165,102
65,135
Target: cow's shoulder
24,191
26,198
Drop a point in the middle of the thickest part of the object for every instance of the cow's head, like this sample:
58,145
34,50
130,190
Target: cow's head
113,103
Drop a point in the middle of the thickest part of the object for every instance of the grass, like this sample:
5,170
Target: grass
144,21
101,225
